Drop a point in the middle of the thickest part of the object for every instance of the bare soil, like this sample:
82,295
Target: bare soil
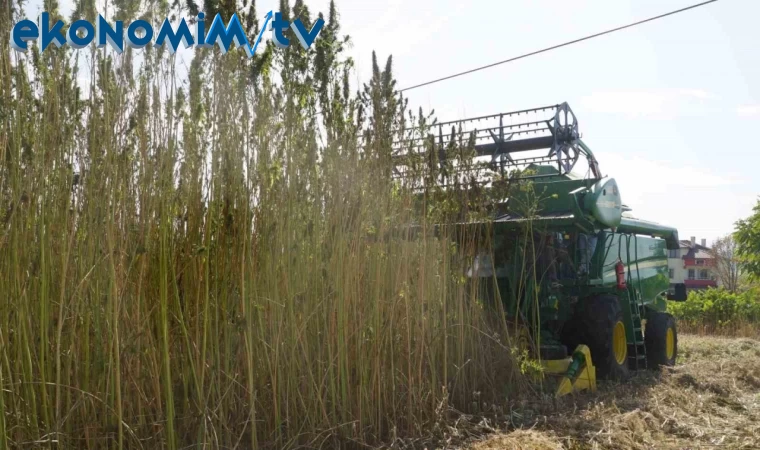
710,400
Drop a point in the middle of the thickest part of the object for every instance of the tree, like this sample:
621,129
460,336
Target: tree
724,252
747,237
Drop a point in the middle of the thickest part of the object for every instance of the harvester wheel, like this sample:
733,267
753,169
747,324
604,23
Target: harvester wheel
661,340
602,328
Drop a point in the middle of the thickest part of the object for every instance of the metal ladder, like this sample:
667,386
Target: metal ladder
637,351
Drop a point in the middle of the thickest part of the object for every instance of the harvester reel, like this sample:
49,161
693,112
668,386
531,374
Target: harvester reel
505,139
567,156
564,128
565,124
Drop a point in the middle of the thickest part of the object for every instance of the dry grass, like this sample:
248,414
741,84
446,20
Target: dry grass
711,399
741,329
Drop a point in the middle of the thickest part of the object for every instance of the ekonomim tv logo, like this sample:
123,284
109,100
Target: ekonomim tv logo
140,33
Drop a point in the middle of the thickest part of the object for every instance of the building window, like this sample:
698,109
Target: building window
691,274
700,262
670,273
704,275
672,253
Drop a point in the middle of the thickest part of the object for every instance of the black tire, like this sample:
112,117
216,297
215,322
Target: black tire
656,340
595,324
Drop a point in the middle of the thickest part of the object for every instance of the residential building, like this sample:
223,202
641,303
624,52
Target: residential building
693,265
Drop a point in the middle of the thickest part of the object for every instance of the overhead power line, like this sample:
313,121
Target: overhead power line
564,44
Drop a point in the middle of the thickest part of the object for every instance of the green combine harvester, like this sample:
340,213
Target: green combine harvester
584,281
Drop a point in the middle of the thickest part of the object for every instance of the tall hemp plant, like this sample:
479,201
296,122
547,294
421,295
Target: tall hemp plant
219,253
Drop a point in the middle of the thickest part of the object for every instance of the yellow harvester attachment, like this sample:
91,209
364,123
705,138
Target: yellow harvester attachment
578,372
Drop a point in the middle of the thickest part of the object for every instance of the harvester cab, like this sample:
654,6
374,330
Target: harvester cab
565,259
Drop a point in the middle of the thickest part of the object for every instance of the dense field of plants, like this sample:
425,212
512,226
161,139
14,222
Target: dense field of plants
718,311
217,254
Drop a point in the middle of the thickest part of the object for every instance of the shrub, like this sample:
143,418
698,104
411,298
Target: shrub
718,311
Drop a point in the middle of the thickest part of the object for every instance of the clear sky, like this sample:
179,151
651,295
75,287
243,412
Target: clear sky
671,108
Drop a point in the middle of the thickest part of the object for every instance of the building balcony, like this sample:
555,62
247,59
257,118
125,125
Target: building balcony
698,262
700,284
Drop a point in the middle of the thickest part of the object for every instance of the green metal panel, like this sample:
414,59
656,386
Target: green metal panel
645,259
604,204
638,226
